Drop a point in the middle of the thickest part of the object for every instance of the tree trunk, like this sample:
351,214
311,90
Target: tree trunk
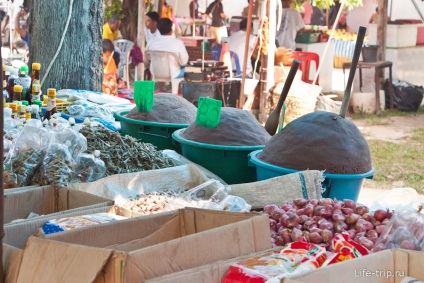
129,22
79,62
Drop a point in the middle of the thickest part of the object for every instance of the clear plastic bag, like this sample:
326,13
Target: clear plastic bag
58,165
25,157
89,168
209,195
77,143
405,230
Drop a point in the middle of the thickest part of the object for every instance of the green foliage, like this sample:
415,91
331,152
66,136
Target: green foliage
322,4
113,7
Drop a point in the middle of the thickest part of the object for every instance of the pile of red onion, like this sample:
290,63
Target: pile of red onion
317,220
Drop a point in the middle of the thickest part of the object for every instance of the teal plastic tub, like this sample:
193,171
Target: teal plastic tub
340,186
158,134
228,162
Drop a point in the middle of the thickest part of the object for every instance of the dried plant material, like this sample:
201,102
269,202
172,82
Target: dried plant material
124,154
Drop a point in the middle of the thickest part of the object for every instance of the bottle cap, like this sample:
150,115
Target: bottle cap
4,67
35,108
36,66
24,69
7,112
25,102
96,153
51,92
17,88
38,102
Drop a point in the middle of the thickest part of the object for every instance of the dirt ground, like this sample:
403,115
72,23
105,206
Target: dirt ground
393,129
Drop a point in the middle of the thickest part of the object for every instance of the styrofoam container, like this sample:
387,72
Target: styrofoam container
397,35
365,101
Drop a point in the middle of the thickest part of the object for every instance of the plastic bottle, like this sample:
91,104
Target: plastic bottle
5,93
8,120
40,106
36,92
17,93
35,77
14,108
35,112
5,77
11,82
51,104
25,82
28,113
71,122
22,112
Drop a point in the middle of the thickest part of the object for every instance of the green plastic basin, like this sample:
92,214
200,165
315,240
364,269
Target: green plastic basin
158,134
228,162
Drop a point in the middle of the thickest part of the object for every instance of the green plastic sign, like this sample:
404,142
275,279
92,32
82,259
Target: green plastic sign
208,112
144,95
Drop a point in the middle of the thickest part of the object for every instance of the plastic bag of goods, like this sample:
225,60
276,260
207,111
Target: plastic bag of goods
404,230
89,167
26,156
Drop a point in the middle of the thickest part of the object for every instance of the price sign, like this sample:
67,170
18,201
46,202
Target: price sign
208,112
144,95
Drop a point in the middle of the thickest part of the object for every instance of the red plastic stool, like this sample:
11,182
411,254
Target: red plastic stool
305,59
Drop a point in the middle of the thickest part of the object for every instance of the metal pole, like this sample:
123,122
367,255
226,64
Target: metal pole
1,172
246,52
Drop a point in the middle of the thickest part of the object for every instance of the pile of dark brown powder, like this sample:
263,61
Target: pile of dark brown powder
237,127
167,108
319,141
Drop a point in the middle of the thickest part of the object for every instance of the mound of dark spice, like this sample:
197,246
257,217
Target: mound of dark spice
167,108
236,127
319,141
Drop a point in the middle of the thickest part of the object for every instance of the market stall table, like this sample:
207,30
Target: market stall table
377,66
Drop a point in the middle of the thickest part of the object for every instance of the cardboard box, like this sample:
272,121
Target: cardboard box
47,200
213,272
388,266
11,262
386,263
17,234
144,247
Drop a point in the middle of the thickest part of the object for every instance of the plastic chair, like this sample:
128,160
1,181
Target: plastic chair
234,57
125,47
160,69
216,55
305,59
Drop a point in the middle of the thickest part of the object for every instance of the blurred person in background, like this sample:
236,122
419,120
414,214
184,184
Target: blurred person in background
306,12
21,22
218,27
291,24
237,45
168,13
151,26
